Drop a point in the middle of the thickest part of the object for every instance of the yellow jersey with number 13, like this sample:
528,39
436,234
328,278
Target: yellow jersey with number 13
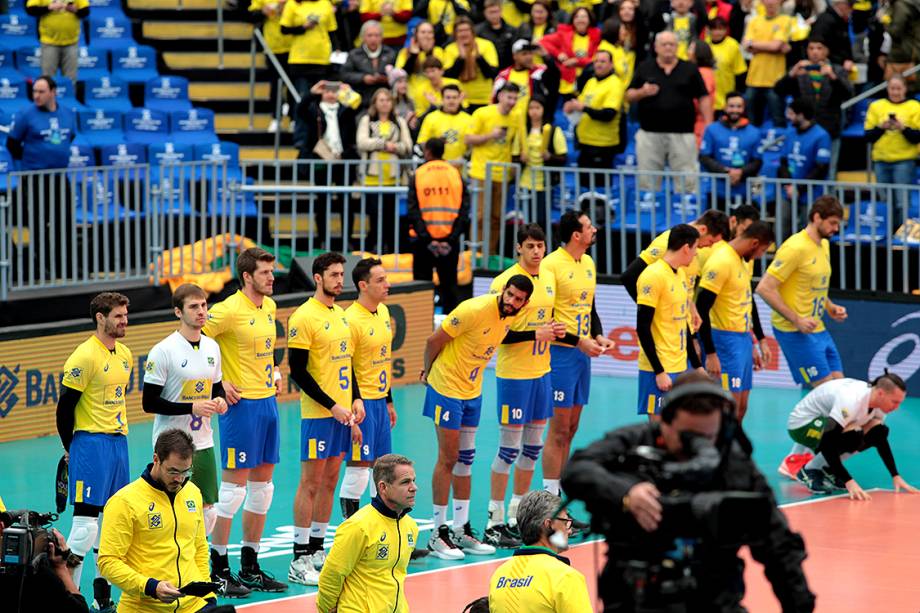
668,292
103,377
576,281
528,360
372,335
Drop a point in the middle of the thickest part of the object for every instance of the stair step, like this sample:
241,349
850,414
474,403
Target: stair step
853,176
267,153
178,5
239,122
177,60
184,30
206,91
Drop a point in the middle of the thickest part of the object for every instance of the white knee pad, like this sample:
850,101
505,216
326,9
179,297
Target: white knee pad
210,518
509,446
259,498
532,445
229,499
83,533
355,482
464,465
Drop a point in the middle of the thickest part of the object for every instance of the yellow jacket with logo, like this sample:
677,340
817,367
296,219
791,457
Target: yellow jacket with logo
148,537
536,580
366,568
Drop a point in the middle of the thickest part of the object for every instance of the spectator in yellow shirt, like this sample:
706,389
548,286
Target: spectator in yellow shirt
412,58
473,61
730,65
59,34
767,37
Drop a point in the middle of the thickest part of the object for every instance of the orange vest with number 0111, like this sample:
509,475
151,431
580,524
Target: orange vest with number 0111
439,189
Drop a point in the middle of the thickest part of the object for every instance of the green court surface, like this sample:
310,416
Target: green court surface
29,466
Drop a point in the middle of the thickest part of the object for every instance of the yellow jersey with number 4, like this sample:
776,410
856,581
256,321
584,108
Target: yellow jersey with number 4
103,377
372,335
576,282
803,269
667,291
727,275
528,360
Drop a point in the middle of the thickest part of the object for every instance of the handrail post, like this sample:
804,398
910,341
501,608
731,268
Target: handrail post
252,81
220,34
4,248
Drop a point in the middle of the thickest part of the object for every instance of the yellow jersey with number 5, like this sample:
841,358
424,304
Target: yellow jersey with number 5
576,282
803,269
372,334
103,377
668,292
528,360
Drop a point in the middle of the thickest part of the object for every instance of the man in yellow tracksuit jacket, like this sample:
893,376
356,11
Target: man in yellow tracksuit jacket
153,535
366,568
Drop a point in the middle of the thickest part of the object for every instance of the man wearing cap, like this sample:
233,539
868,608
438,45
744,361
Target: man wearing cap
523,73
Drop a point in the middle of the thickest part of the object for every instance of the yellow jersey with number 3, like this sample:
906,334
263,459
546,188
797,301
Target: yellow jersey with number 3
528,360
103,377
576,282
727,275
668,292
803,269
325,333
372,335
246,336
476,329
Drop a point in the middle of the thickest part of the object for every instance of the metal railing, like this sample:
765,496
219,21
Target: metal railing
282,80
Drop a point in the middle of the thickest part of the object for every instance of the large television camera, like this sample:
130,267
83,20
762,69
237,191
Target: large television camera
26,539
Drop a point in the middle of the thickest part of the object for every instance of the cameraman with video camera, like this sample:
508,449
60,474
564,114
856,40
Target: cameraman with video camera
34,575
676,500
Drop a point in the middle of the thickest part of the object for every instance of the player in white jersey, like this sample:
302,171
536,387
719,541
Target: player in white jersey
839,419
182,388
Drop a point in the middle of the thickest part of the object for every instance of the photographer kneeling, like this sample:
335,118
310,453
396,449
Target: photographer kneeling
676,500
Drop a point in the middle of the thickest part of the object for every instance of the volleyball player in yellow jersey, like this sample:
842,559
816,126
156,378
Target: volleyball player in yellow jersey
372,335
739,218
321,348
576,279
455,356
663,320
93,425
726,307
525,387
244,327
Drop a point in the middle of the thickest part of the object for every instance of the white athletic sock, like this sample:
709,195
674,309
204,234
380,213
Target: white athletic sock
551,486
513,508
799,448
301,535
355,482
440,516
318,529
817,463
254,546
496,513
461,514
220,549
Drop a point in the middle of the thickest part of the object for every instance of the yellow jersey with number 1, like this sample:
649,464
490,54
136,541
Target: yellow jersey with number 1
727,275
528,360
372,335
668,292
103,377
803,269
657,249
576,282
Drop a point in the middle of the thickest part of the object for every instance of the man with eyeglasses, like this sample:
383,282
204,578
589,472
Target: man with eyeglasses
537,579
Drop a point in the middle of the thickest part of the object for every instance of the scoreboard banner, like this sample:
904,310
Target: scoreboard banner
31,363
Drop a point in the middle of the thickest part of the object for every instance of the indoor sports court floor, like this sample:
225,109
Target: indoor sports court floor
862,556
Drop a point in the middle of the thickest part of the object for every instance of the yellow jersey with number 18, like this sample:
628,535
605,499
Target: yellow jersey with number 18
576,282
476,329
803,269
246,336
727,275
668,292
372,335
528,360
325,333
103,377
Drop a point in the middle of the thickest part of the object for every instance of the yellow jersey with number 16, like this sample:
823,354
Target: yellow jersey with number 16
103,377
803,269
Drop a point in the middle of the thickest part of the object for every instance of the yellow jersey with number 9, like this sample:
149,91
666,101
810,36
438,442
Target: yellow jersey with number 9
103,377
528,360
372,334
576,281
476,329
246,336
803,269
325,333
668,292
728,276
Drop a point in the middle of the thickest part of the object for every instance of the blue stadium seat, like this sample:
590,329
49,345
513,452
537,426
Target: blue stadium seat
239,204
220,152
134,64
855,127
109,31
6,167
81,156
194,126
163,155
66,94
5,120
109,93
8,65
99,128
146,126
17,30
29,61
124,155
93,63
17,7
167,94
13,96
867,223
96,200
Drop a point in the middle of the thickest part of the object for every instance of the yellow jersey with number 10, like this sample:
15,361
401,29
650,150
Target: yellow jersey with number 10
803,269
372,335
103,377
668,292
576,281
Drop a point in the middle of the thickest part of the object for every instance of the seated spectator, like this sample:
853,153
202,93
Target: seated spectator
403,106
442,14
383,138
701,55
686,18
496,31
412,58
59,34
544,145
833,28
473,61
427,95
599,105
393,17
730,147
730,65
665,89
893,128
767,38
825,85
448,123
572,46
366,67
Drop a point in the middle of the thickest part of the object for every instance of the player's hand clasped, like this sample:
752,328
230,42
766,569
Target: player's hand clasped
550,331
167,592
343,415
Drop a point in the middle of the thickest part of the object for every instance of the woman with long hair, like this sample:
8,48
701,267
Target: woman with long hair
544,145
572,46
412,57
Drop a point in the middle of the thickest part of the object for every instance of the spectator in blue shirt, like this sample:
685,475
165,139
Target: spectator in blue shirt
730,147
42,134
806,155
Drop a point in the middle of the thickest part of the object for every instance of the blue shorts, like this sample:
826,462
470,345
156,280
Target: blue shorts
649,394
571,371
375,432
735,351
811,357
249,434
323,438
98,467
522,401
451,413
